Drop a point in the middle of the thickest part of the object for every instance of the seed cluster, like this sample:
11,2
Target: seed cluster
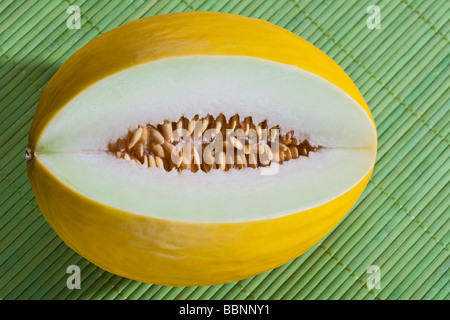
209,143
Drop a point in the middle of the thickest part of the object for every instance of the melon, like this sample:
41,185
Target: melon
198,148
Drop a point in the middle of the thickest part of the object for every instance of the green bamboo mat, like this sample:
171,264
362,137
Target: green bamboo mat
400,223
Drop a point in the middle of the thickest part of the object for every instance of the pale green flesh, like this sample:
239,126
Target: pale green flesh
73,145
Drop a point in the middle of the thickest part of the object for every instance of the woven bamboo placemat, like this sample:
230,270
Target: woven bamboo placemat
400,223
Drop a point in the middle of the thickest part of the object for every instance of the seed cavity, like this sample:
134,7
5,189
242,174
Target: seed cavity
209,143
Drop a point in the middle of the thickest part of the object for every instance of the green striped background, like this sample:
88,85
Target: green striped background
401,222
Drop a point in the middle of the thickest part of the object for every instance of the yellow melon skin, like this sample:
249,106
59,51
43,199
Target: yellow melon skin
163,251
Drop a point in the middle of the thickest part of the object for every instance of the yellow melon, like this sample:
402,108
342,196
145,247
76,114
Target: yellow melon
122,97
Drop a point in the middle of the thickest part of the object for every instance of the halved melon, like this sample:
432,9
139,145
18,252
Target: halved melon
122,96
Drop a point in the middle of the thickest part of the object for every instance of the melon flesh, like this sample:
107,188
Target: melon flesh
73,147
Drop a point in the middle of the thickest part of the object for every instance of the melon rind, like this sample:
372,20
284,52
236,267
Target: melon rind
168,251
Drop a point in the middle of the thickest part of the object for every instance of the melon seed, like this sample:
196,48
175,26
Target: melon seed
199,144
